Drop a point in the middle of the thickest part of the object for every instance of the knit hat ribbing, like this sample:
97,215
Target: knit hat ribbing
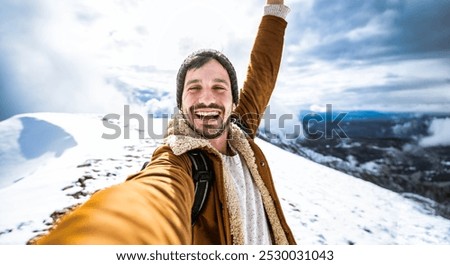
196,60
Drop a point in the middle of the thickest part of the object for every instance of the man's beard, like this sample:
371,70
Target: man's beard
206,130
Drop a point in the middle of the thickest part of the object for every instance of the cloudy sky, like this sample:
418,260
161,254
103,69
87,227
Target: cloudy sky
81,56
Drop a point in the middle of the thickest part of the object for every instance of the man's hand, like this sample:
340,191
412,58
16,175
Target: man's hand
275,2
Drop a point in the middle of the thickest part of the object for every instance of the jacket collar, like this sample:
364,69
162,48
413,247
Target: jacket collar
182,138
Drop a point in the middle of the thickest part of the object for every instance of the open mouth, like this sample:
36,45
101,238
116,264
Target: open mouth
207,114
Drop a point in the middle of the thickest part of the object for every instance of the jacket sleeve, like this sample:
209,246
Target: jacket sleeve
262,73
151,207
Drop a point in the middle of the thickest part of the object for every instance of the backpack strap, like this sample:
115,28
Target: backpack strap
144,165
203,176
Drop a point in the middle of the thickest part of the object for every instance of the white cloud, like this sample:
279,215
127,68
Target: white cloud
439,133
376,27
68,49
404,85
53,66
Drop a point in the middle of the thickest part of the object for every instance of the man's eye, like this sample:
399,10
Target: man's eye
194,88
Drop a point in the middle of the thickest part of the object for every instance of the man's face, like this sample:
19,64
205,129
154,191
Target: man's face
207,100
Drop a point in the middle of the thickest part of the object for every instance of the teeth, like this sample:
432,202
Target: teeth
207,113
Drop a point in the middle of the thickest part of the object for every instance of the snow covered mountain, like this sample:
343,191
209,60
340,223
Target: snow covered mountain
52,161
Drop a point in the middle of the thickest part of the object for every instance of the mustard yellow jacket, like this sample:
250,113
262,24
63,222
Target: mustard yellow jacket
154,205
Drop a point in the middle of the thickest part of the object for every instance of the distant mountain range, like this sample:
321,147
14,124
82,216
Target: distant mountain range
404,152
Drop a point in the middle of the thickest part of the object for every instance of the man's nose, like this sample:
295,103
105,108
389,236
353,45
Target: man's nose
207,96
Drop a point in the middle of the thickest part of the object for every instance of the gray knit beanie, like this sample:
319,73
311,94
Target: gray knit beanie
198,59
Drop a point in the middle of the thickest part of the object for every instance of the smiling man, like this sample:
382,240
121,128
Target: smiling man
207,94
154,205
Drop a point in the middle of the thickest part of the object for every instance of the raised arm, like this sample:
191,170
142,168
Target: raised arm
275,2
263,68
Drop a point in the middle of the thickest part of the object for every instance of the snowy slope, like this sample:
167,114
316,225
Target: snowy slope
50,161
